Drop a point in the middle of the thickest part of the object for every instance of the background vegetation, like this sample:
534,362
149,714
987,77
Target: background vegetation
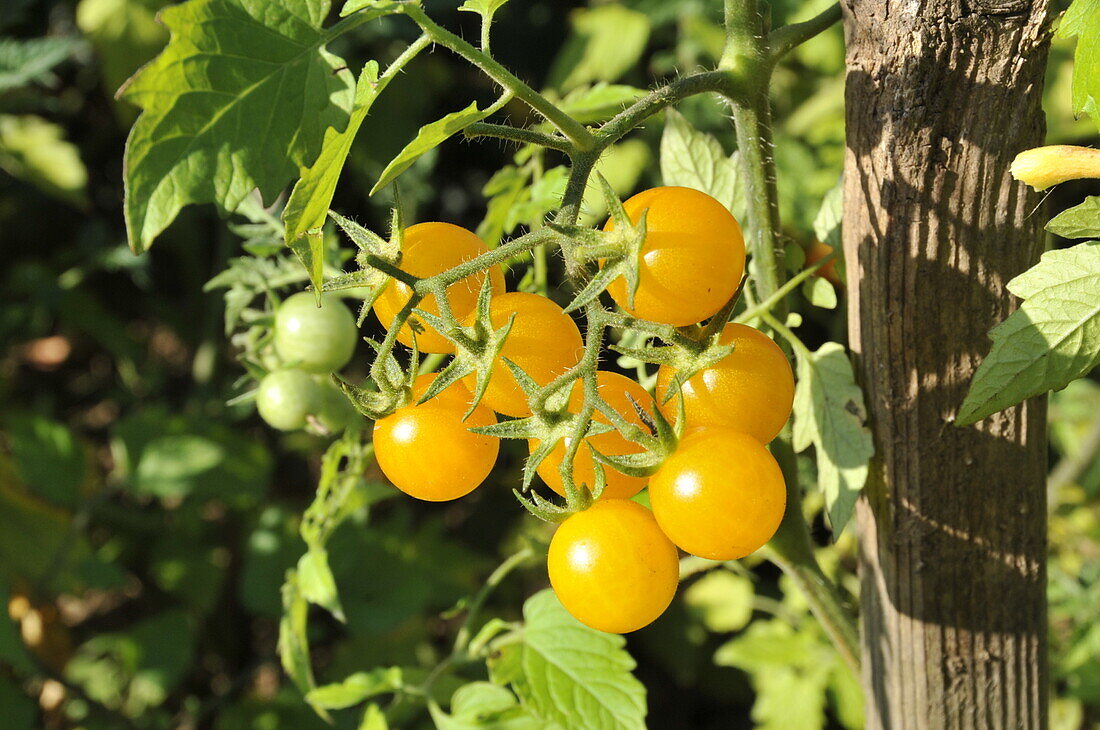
147,518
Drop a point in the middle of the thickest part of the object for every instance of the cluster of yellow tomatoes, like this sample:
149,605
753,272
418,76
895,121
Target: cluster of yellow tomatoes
719,495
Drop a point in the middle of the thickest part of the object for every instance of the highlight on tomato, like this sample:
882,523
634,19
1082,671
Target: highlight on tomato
692,260
720,495
751,390
612,567
428,452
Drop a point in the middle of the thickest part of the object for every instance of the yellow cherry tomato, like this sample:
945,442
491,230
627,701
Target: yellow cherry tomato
428,452
692,260
616,390
430,249
544,341
720,495
612,568
751,390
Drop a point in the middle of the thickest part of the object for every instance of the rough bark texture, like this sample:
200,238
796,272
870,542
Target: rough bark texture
941,95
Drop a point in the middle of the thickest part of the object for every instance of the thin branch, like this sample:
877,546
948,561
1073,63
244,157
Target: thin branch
782,41
519,134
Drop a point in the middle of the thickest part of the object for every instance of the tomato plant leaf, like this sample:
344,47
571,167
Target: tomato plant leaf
1082,20
317,584
356,688
293,640
354,6
819,293
485,8
576,676
830,414
694,159
1080,221
1052,339
35,150
600,101
722,600
239,99
428,138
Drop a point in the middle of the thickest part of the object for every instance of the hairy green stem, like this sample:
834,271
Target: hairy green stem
747,57
576,132
521,135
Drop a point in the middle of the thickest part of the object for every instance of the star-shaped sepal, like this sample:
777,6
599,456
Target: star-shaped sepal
477,347
618,251
393,384
377,259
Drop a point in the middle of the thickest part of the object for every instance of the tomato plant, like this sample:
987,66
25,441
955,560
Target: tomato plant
286,398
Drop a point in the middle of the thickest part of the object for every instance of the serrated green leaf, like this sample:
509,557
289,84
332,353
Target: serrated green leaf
316,582
576,676
606,42
239,99
1082,20
25,61
428,138
36,151
1052,339
356,688
1080,221
829,413
819,292
694,159
382,6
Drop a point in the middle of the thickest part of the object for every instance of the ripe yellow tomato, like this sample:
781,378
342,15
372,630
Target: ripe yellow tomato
612,568
817,252
430,249
720,496
616,390
692,260
751,390
427,450
544,341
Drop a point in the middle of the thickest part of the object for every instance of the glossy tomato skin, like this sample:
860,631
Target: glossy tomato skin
751,390
429,249
692,260
720,495
317,339
616,390
612,568
428,452
544,341
286,398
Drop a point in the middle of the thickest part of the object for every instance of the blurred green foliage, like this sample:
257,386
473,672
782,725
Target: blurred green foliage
148,521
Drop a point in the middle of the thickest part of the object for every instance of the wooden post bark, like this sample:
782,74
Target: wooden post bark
941,95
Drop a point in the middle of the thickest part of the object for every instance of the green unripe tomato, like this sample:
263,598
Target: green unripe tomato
336,412
286,397
317,339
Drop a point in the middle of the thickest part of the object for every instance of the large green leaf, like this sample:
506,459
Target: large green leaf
606,42
1082,20
428,138
484,706
829,413
240,99
694,159
576,676
356,688
1052,339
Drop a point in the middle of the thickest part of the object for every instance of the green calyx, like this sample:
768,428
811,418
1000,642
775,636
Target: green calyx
476,346
393,383
377,258
618,252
